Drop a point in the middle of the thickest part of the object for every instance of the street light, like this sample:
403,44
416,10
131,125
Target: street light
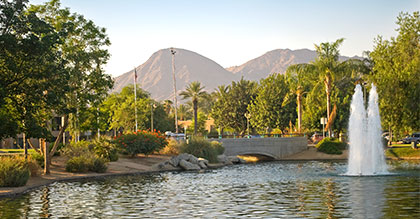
152,106
175,99
247,116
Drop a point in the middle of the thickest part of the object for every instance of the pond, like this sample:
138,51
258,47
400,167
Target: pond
262,190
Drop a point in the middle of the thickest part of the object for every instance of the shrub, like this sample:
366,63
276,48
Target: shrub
144,142
85,163
104,147
38,158
79,164
331,146
98,165
218,147
77,149
201,148
33,166
14,171
173,148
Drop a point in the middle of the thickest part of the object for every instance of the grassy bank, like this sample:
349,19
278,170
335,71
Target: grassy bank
403,153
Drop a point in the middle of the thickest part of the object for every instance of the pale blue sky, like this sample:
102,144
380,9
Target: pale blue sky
232,32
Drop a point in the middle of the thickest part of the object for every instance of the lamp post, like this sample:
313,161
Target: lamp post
175,99
364,91
152,106
247,116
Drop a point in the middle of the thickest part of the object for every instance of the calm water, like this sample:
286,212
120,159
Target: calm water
265,190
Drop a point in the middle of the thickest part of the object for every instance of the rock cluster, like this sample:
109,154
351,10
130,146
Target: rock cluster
190,162
230,160
186,162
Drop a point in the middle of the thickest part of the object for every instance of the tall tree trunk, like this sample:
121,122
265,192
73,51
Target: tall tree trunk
46,157
59,137
299,105
195,115
33,147
328,91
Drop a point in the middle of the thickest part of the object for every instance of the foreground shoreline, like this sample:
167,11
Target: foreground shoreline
139,165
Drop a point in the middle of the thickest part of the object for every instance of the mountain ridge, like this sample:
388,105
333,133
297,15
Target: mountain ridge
155,75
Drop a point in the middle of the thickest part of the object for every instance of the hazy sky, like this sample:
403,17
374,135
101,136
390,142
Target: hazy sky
232,32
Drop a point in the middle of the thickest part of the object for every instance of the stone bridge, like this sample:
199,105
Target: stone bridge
276,148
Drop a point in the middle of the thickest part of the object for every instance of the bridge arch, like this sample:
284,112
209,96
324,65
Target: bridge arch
276,148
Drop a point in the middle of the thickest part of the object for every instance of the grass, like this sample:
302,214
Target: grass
401,145
17,150
405,152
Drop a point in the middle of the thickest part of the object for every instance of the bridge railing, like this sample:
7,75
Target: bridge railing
257,136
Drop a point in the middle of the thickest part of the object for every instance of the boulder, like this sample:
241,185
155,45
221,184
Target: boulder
192,159
174,161
203,160
188,166
202,164
224,160
233,159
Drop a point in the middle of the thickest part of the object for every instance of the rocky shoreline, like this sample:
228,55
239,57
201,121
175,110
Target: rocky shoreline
190,162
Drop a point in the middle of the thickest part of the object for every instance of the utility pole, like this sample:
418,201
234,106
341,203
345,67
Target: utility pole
175,99
135,96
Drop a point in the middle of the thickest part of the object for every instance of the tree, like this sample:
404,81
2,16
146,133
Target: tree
167,105
300,79
183,112
30,71
270,108
194,91
83,49
334,78
232,104
396,73
121,111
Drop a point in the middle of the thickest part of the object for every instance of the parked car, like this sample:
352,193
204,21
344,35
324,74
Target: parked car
415,137
316,137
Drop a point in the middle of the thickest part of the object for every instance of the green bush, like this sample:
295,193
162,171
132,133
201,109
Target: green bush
143,142
77,149
79,164
218,147
39,158
87,156
85,163
98,165
104,147
202,148
14,171
331,146
173,148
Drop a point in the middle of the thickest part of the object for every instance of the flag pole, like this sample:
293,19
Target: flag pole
135,96
175,99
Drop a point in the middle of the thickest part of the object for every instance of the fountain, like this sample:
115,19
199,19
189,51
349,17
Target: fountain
366,156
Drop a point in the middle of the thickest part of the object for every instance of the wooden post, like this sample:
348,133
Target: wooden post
46,157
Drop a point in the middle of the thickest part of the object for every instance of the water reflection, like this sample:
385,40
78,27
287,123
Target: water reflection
277,189
366,196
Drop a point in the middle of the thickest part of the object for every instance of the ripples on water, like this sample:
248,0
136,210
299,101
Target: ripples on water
265,190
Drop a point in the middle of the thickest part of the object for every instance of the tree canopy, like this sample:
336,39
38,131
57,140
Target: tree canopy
396,74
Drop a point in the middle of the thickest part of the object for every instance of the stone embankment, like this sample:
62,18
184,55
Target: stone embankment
190,162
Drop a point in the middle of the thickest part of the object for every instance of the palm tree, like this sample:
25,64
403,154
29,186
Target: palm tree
167,105
194,91
182,112
300,78
329,69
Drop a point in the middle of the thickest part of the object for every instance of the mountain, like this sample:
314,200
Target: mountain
275,61
155,75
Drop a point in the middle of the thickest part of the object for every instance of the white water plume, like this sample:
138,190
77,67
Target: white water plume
366,155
